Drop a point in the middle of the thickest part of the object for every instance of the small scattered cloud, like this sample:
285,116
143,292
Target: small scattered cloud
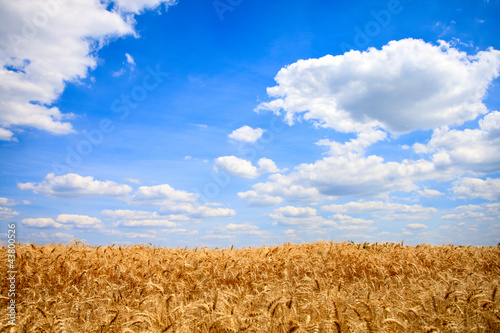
416,226
470,188
5,202
133,180
435,85
75,186
383,210
239,167
67,221
7,213
246,134
429,193
41,223
130,59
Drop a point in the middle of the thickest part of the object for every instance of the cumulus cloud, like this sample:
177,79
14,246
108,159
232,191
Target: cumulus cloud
199,211
467,188
47,44
416,226
7,213
126,214
79,221
383,210
354,146
246,134
139,218
470,215
345,175
132,235
300,216
75,186
239,167
64,221
137,6
233,229
348,172
41,223
161,195
307,219
482,212
171,200
242,226
9,202
405,86
429,193
259,199
468,150
183,232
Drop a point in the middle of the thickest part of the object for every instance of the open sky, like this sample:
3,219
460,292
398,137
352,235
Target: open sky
192,123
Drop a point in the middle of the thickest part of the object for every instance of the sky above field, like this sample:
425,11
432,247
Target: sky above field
250,123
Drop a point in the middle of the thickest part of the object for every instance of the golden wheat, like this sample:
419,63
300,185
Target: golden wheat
321,287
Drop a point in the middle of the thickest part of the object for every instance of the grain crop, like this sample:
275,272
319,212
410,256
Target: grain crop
320,287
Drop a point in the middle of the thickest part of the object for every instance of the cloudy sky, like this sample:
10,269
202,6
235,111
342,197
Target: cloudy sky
191,123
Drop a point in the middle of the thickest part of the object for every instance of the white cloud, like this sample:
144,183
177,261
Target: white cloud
347,172
467,188
47,44
41,223
130,59
161,195
130,63
259,199
139,218
183,232
125,214
146,223
239,167
246,134
429,193
291,211
416,226
469,150
212,236
346,175
354,146
137,6
482,212
169,199
405,86
6,135
74,186
346,219
64,236
242,229
9,202
132,234
64,221
7,213
199,211
467,215
242,226
133,180
383,210
79,221
301,216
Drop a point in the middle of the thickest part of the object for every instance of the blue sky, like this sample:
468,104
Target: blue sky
250,123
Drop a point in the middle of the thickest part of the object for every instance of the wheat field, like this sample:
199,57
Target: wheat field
321,287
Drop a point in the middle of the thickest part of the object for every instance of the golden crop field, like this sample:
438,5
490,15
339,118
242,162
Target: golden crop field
321,287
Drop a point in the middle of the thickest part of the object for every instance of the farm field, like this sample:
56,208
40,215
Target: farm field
320,287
